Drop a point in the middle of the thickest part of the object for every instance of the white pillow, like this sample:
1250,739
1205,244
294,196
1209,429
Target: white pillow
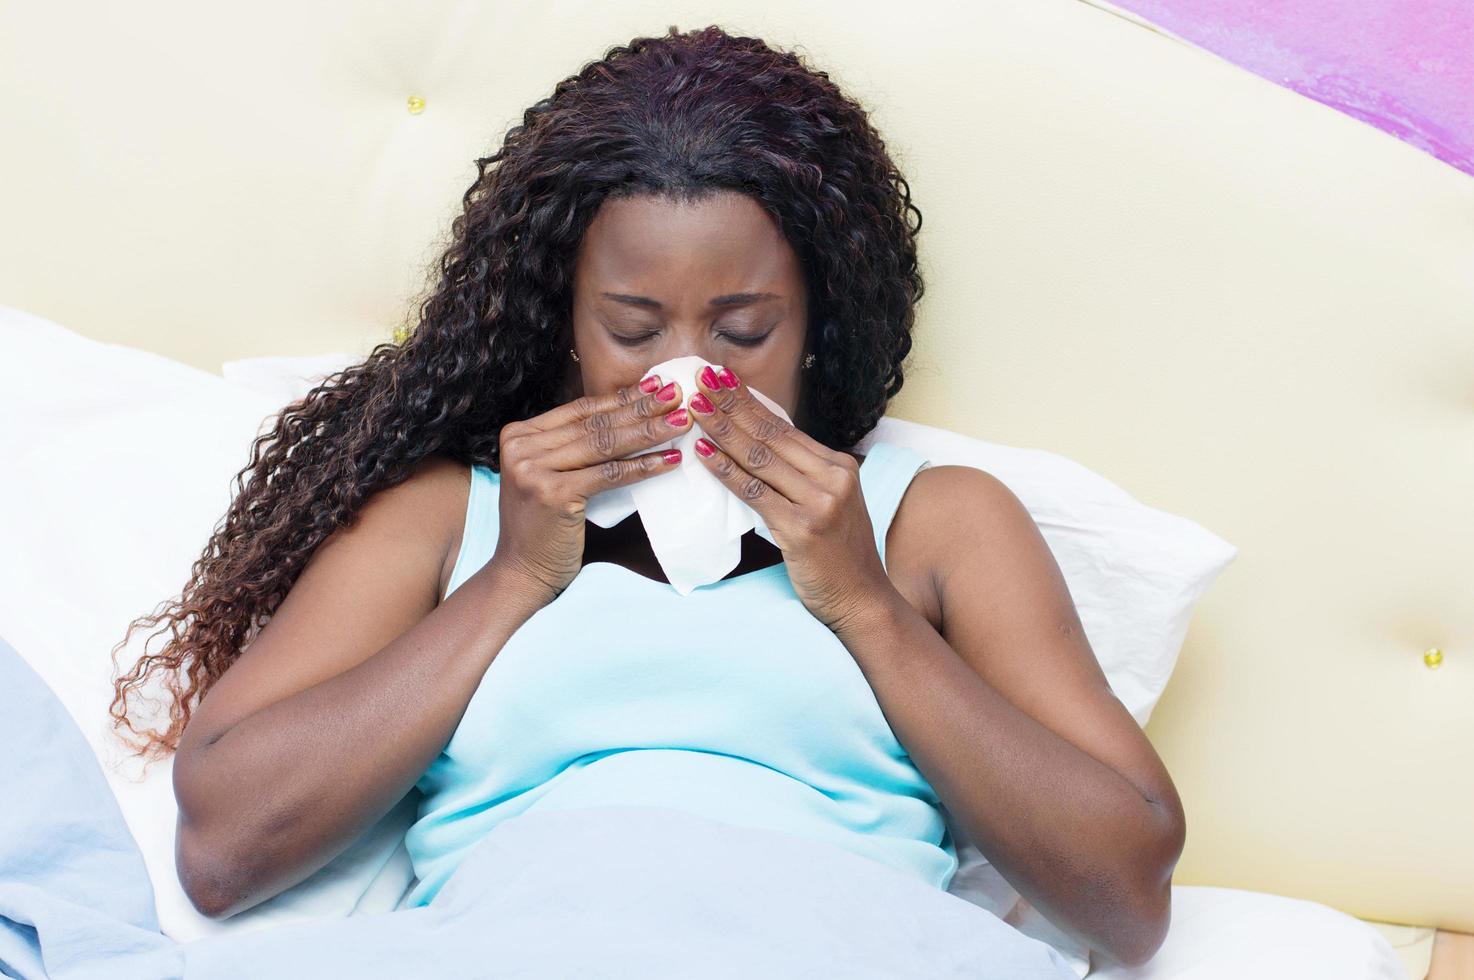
118,464
1136,605
1231,934
285,379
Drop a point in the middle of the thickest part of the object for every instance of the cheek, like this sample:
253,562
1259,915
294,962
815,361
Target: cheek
614,372
779,386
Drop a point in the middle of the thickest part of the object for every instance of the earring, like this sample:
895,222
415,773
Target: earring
809,361
573,352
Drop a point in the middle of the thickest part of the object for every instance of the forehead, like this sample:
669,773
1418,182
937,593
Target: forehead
725,239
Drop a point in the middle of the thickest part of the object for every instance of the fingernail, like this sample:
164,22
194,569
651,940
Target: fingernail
728,378
677,418
671,456
702,404
650,384
705,448
667,393
709,377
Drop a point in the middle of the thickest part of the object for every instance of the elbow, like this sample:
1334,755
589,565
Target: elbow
227,868
208,902
212,874
1145,930
219,869
212,882
1143,934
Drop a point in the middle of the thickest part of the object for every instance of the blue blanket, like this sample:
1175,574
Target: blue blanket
75,899
613,892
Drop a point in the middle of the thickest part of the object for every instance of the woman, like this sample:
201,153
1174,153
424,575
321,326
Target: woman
425,604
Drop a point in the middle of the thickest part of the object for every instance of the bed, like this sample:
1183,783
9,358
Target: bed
1240,306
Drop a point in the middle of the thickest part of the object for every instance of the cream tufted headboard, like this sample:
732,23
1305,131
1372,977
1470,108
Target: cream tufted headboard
1239,304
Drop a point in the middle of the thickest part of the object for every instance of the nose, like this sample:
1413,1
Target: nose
696,342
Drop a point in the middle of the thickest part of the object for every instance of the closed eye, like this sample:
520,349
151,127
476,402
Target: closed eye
739,341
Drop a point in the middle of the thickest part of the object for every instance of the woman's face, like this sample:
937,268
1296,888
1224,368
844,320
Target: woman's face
655,280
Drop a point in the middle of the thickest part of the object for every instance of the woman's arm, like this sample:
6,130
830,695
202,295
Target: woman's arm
1010,718
343,699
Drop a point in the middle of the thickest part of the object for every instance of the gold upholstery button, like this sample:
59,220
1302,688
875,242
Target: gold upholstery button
416,105
1433,657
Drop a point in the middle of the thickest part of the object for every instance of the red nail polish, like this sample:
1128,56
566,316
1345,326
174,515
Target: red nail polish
667,393
650,384
709,378
702,404
704,448
676,418
672,456
728,378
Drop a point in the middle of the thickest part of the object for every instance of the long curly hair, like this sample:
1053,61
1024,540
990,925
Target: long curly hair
679,116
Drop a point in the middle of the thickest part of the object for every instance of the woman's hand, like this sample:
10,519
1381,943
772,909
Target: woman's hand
553,463
808,495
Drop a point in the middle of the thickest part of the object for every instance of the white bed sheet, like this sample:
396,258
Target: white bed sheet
1235,934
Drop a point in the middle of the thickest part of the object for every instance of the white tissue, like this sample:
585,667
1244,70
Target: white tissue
695,524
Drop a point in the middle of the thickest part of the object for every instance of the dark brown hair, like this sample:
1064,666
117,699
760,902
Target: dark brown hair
678,116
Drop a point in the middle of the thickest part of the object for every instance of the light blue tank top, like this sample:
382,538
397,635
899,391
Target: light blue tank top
732,702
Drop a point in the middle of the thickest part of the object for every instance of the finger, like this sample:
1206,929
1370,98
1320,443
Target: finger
588,406
745,464
777,510
609,437
742,407
620,472
589,413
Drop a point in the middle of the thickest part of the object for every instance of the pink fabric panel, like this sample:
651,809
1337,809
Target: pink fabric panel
1404,66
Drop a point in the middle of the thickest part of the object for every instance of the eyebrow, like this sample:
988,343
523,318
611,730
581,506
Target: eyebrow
731,299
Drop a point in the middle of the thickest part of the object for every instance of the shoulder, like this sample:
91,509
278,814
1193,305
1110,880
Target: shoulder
434,497
947,518
967,494
438,483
